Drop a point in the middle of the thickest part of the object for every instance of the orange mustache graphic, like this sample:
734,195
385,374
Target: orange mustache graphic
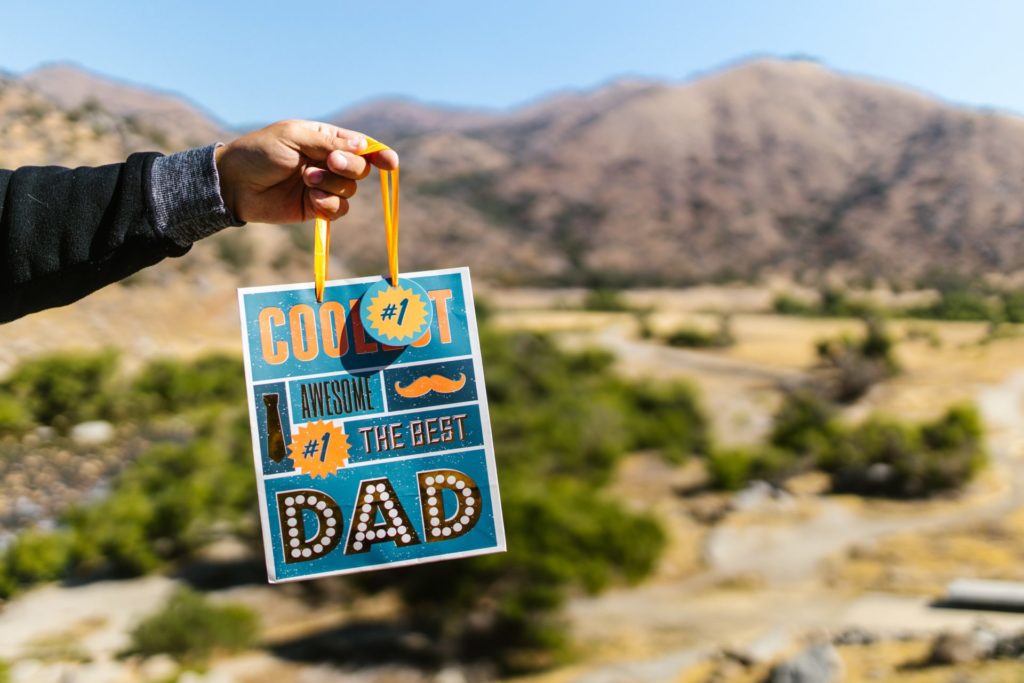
427,383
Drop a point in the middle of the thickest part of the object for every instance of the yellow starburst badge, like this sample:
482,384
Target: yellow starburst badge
396,315
319,449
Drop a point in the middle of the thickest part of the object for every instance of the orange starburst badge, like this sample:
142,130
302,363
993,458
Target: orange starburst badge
319,449
396,315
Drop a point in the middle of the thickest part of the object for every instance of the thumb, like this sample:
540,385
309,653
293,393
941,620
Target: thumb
316,140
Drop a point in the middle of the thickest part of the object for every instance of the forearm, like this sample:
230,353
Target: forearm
65,233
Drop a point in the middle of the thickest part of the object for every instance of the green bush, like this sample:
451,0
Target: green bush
561,423
787,304
883,457
62,390
667,417
962,303
567,413
604,299
851,366
560,536
14,416
1013,306
35,557
831,303
190,629
693,337
168,385
732,469
804,423
164,506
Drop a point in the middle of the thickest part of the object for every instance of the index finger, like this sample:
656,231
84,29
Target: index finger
317,140
386,159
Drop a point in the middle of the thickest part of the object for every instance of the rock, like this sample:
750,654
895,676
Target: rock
819,663
450,674
854,636
34,671
1010,647
158,668
92,433
879,473
44,433
764,648
754,496
963,648
99,672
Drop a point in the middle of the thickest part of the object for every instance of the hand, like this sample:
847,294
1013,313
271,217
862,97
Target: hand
292,171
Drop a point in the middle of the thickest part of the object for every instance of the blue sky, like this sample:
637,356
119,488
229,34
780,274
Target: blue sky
263,60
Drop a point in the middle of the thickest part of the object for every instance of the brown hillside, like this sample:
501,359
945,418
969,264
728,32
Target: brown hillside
165,117
769,166
772,165
393,118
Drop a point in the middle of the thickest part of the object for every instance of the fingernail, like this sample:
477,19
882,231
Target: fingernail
316,176
318,194
357,143
339,160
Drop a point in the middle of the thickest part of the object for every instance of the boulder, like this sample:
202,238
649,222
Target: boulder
158,668
963,648
92,433
819,663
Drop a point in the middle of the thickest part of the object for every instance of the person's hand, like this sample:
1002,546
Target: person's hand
292,171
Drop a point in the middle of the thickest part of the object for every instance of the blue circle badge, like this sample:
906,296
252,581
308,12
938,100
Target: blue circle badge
396,315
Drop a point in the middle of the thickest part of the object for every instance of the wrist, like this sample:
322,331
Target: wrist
227,185
186,197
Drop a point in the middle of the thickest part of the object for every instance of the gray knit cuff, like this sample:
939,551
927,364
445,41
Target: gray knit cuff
186,196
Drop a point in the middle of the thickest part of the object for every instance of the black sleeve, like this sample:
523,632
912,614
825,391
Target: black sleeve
65,233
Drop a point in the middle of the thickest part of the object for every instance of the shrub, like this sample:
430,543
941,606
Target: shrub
163,507
886,458
566,413
604,299
1013,306
787,304
804,423
14,417
35,557
668,417
692,337
190,629
62,390
732,469
963,302
502,607
169,385
831,303
851,366
561,422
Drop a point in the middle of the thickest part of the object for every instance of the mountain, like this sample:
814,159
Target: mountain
165,117
769,166
392,118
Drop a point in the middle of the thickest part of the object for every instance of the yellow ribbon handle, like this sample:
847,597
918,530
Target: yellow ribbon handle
322,228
